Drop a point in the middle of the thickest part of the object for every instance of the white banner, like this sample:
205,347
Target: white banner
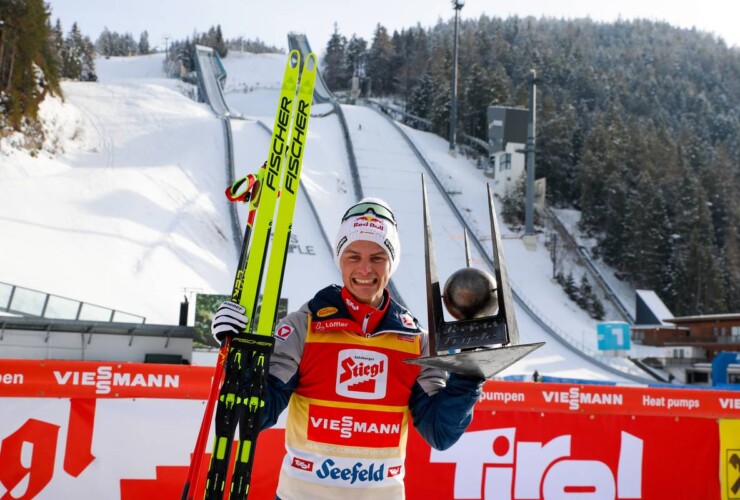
82,449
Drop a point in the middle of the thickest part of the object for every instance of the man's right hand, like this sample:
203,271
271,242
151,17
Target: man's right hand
229,321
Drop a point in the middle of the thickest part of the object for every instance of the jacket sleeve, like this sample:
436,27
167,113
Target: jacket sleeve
442,409
441,418
276,399
284,361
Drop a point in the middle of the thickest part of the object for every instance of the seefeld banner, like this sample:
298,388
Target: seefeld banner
91,430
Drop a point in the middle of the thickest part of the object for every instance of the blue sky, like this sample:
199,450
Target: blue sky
270,21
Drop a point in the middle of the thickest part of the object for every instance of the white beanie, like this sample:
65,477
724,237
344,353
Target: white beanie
371,219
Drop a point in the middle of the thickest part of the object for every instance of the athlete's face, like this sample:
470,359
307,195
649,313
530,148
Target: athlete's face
365,271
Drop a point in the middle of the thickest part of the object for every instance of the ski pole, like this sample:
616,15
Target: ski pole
249,195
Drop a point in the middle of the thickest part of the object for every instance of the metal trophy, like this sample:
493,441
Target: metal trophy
484,339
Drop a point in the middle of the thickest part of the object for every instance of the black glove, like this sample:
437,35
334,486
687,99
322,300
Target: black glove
229,321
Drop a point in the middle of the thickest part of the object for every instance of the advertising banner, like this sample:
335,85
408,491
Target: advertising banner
729,459
525,455
613,335
126,431
91,379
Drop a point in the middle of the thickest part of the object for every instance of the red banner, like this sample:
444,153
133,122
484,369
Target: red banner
93,379
529,455
605,399
126,430
90,379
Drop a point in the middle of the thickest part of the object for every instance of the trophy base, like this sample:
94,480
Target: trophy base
482,362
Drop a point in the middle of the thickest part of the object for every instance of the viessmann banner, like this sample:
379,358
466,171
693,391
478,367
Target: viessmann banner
93,430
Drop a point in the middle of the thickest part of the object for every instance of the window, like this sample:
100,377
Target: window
697,376
505,162
735,331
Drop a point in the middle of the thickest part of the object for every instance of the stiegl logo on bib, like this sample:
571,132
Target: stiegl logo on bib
362,374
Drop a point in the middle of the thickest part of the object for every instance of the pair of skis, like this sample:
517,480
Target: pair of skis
238,388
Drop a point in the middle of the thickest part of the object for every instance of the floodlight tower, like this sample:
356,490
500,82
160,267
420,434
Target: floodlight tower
529,165
457,5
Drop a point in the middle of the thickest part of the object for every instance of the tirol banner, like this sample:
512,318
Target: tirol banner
93,430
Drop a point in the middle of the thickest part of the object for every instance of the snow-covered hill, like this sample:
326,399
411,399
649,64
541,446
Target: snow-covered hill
129,211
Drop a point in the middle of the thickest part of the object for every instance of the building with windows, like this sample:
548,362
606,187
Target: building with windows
712,333
691,344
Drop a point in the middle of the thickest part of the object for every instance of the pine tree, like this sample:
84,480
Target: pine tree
699,286
478,91
129,45
422,96
218,43
596,308
28,65
558,151
411,60
104,43
603,154
647,240
585,294
144,43
57,45
74,51
613,243
440,68
356,56
569,285
730,258
513,204
380,60
335,71
88,61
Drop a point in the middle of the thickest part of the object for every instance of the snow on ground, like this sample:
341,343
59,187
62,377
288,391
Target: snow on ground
130,212
125,215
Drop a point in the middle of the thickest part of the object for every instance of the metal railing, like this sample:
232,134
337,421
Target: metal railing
590,267
28,302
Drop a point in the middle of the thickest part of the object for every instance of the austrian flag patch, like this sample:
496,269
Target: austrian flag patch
407,320
283,332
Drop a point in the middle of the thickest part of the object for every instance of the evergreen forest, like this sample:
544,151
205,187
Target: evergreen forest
638,126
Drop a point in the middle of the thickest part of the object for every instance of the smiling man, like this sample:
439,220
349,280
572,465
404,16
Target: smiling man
367,250
338,367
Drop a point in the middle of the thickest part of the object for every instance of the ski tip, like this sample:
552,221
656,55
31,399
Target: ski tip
311,61
294,59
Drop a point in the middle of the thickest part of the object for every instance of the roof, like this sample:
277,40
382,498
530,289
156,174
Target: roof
73,326
707,318
656,306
